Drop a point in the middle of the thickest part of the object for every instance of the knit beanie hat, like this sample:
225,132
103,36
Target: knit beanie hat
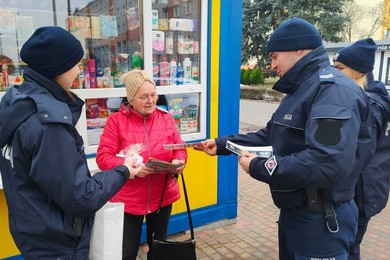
359,56
294,34
134,80
51,51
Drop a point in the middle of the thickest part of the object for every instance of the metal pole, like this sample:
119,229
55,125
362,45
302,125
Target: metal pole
17,39
69,9
54,12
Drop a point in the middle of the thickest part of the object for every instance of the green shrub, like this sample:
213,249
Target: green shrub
256,77
242,76
246,77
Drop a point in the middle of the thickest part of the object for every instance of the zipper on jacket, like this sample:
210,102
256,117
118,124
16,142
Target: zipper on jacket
147,141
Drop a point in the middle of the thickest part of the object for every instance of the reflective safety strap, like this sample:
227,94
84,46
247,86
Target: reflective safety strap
331,217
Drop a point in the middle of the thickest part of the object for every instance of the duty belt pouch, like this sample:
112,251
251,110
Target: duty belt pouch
314,201
78,226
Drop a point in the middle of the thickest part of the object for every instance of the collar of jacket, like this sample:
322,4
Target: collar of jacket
53,103
130,112
376,90
376,86
304,68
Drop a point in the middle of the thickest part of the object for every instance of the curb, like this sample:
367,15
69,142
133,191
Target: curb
260,93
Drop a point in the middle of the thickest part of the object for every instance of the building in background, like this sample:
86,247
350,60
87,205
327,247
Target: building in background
385,28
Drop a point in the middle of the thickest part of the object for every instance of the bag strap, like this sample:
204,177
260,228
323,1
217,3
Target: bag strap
162,195
187,203
188,207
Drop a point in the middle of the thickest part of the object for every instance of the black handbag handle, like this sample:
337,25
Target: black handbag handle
187,202
188,207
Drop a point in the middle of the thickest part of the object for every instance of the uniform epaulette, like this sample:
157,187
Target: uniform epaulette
326,76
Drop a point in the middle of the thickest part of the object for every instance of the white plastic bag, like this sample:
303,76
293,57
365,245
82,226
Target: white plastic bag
107,232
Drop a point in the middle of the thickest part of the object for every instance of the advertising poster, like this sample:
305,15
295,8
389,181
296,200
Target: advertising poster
185,110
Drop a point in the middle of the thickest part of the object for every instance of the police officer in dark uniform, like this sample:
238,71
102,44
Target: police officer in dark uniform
321,139
372,189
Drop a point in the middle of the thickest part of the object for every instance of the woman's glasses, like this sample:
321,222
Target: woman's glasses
145,98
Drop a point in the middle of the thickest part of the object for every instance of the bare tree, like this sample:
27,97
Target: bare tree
375,17
354,14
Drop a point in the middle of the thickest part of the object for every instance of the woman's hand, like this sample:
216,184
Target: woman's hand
181,168
145,171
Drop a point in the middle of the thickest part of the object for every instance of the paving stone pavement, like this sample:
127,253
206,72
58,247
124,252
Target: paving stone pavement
254,234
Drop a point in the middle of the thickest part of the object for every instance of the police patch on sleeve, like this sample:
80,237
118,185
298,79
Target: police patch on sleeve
270,165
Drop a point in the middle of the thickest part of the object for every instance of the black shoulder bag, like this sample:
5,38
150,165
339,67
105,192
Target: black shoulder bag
176,250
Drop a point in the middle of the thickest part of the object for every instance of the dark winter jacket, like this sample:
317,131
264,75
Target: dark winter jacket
372,189
50,193
320,134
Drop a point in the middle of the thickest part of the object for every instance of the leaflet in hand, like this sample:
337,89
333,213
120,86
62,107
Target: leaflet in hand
240,150
162,166
179,146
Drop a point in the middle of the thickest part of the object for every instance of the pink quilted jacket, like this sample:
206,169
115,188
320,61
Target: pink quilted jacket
125,127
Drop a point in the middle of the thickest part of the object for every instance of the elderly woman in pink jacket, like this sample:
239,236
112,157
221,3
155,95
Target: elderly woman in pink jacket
142,128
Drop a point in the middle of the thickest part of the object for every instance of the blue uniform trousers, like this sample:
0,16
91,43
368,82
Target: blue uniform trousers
354,252
304,235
